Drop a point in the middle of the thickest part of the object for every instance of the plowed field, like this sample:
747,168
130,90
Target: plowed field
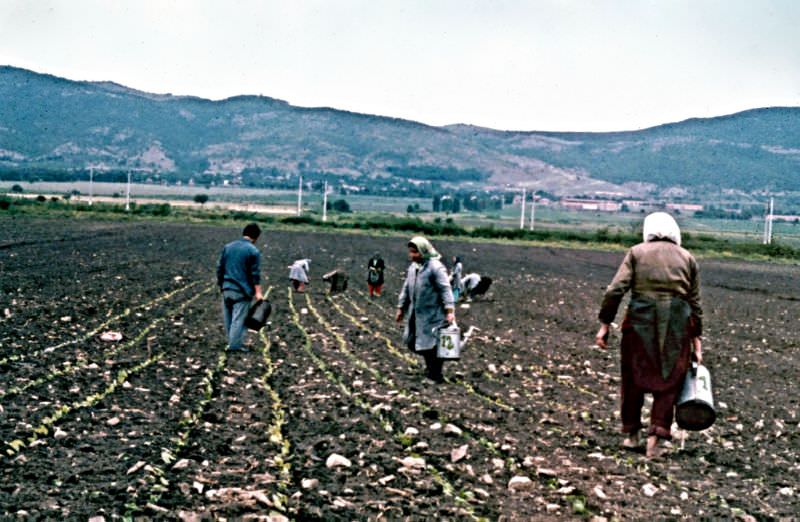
164,423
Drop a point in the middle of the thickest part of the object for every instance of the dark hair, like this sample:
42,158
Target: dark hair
252,231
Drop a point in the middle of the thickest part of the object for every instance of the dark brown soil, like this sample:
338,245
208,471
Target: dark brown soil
165,424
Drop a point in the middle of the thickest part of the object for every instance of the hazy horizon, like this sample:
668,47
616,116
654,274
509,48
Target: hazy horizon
550,65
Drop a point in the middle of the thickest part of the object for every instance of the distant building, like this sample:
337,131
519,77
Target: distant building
639,205
685,207
792,218
602,205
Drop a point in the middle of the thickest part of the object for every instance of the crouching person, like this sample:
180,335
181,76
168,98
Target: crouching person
426,303
298,274
475,285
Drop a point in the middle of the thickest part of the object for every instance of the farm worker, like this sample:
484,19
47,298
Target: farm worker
475,285
298,274
455,278
375,268
662,327
426,301
239,280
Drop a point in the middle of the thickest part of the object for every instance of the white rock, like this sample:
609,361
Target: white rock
198,486
435,426
337,461
684,495
498,463
520,482
786,491
459,453
566,490
487,479
413,462
309,483
649,490
181,464
59,434
136,467
599,493
493,368
97,518
528,462
481,492
113,421
411,432
66,319
452,429
385,480
546,472
304,311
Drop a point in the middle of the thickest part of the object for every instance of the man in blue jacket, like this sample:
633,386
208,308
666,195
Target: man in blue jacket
239,280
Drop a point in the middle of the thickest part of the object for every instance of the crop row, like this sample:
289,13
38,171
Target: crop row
389,427
69,367
22,356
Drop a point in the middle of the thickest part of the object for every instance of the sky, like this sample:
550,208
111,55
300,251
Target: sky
558,65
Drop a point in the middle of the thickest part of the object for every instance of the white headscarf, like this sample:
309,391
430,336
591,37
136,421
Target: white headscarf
660,225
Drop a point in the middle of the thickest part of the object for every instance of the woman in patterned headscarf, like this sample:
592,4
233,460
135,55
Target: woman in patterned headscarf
426,302
662,327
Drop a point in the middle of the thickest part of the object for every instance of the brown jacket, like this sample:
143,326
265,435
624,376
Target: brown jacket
658,270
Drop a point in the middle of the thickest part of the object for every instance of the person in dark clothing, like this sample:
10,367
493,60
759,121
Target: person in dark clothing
661,330
239,280
375,268
455,278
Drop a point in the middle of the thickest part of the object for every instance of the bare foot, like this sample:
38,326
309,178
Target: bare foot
631,441
655,448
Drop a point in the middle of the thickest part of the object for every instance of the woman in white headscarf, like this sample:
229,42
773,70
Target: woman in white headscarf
298,274
426,302
662,327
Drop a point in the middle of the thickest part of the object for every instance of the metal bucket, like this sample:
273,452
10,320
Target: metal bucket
695,408
257,315
449,345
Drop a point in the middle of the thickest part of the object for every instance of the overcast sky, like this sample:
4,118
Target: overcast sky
527,65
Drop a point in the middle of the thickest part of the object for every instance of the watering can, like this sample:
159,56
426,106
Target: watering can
448,346
695,407
257,315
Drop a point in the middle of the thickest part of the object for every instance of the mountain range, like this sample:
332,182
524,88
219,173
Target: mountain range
54,125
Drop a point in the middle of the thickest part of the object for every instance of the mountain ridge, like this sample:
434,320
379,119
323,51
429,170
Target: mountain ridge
52,123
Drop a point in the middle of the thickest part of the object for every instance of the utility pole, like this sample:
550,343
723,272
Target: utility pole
128,193
300,195
769,220
522,211
767,240
533,211
91,185
325,203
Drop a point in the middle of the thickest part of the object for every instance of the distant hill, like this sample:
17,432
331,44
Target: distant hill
49,124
